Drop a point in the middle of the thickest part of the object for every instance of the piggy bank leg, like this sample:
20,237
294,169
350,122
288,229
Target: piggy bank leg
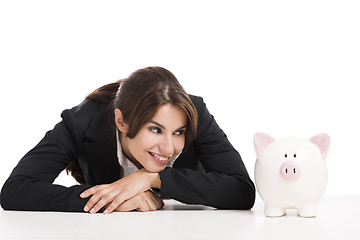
308,211
273,211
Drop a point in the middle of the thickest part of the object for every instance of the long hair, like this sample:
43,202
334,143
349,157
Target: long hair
138,97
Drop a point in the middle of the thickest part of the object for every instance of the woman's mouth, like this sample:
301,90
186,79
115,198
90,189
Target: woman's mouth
160,159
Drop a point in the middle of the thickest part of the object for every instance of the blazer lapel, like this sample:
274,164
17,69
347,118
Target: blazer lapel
100,148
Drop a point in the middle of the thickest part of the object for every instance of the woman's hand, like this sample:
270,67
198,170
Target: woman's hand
143,202
118,192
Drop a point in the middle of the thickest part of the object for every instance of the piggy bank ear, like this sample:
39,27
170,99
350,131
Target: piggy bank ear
322,141
261,141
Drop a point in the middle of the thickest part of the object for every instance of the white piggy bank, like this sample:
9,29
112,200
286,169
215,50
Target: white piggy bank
291,173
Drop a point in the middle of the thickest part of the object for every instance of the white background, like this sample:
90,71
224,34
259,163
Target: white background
288,68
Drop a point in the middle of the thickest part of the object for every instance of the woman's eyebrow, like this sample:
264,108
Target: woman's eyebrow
163,127
158,124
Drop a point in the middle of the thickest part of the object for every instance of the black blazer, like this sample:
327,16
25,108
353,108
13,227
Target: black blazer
209,172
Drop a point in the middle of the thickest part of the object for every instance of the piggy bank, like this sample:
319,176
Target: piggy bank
291,173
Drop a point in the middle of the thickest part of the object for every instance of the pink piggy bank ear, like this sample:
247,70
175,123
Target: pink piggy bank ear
261,141
322,141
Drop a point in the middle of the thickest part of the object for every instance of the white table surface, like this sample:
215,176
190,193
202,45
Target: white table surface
338,219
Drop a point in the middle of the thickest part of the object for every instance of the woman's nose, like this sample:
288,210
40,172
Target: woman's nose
167,146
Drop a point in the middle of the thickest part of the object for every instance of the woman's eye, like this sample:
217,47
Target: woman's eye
179,133
155,129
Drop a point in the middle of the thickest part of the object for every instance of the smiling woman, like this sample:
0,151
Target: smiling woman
158,141
127,139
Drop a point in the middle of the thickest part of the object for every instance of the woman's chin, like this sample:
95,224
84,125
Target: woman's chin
155,169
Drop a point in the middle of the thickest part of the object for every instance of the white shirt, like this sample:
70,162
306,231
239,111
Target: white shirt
127,166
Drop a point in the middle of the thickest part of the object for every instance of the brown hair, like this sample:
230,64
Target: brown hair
138,97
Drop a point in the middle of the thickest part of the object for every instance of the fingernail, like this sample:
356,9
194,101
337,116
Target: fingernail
82,195
106,211
86,208
92,211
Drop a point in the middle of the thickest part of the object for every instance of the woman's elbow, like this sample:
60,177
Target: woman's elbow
247,197
250,200
5,196
11,196
240,197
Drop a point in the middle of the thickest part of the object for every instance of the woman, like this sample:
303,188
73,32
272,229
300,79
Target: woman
164,144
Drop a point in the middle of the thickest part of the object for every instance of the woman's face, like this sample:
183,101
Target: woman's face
158,141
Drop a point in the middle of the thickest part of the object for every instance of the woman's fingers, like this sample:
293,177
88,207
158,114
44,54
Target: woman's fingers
100,204
93,200
143,202
120,199
126,206
135,203
158,200
151,203
99,199
87,193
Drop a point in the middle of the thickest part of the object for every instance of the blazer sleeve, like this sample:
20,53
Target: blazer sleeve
30,185
225,182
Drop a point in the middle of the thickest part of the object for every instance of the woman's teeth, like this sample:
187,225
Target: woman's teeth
159,157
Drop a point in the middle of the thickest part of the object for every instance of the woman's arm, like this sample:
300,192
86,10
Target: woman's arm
225,182
124,190
30,187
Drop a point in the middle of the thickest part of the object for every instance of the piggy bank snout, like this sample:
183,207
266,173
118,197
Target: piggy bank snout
290,171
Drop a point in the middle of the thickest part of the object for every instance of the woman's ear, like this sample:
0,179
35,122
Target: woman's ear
119,121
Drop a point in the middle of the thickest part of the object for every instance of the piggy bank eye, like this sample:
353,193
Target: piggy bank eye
285,155
295,155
